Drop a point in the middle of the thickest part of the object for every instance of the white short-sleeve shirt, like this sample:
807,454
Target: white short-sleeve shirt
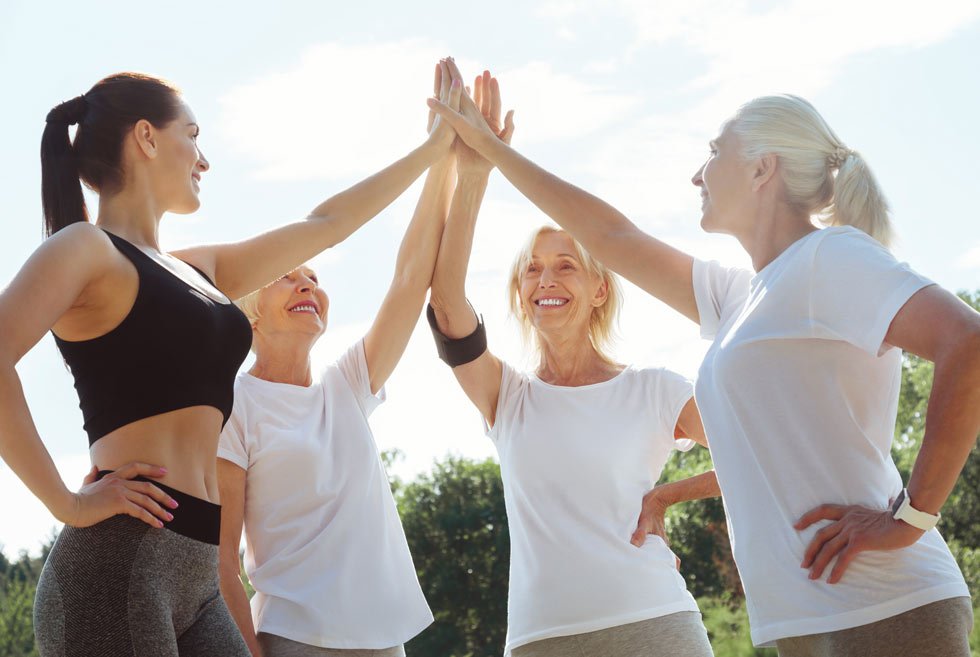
325,549
576,463
798,394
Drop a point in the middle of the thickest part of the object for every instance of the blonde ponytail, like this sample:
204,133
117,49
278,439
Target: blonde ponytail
822,176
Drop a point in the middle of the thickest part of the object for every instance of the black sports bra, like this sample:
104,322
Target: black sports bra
175,349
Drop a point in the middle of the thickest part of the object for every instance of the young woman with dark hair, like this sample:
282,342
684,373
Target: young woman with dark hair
154,345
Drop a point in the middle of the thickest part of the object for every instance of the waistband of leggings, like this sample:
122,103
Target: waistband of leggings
194,518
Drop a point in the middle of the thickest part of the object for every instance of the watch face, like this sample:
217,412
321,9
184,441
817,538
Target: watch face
897,504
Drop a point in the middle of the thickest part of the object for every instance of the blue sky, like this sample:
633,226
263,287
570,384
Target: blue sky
298,100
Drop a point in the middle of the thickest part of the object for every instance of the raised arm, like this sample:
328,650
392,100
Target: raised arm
658,268
385,342
231,488
242,267
58,278
480,378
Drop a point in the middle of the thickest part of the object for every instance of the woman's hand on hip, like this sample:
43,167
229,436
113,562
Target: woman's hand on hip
854,529
117,493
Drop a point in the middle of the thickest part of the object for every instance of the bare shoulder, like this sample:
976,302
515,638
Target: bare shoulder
79,242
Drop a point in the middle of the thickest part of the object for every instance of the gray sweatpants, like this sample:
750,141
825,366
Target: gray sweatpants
274,645
121,588
673,635
940,629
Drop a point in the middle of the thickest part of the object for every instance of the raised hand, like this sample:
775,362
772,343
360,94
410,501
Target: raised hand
855,529
486,97
117,493
448,88
468,119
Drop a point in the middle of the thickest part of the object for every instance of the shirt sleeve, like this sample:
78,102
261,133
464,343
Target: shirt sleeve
232,443
673,392
856,289
717,289
512,384
353,365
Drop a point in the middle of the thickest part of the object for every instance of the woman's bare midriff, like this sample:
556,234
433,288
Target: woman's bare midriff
185,442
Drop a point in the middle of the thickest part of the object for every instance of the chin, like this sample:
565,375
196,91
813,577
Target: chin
188,206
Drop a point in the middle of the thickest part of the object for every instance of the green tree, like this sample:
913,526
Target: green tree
456,525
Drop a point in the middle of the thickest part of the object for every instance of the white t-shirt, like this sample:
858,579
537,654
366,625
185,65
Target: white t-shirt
576,463
798,395
325,549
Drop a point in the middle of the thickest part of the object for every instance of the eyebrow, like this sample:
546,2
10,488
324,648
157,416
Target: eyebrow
560,255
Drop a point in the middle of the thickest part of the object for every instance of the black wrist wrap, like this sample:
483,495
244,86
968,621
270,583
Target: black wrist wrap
463,350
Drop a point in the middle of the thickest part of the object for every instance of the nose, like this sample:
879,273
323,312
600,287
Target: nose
305,284
546,279
698,180
202,162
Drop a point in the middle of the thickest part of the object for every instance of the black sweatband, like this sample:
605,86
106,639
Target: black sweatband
458,352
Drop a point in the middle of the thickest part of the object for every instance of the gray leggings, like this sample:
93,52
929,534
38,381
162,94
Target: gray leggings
940,629
673,635
274,645
121,588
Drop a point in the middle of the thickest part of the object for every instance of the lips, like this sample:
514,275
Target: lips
305,307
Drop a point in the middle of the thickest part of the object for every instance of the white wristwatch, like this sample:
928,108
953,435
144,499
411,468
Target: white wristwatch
902,509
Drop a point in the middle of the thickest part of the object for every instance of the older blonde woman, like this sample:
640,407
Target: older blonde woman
799,388
298,467
581,440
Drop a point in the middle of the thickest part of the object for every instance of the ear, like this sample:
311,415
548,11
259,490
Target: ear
601,294
146,138
765,169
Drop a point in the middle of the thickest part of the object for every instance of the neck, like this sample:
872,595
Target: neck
133,214
773,231
282,361
571,360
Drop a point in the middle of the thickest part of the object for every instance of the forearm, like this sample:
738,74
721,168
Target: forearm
420,246
453,313
233,591
653,265
698,487
602,229
23,451
243,267
952,424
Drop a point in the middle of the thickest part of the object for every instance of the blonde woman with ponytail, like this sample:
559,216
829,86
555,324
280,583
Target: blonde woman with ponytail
799,388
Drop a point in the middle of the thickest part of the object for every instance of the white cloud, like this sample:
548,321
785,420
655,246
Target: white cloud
970,259
341,110
795,47
346,110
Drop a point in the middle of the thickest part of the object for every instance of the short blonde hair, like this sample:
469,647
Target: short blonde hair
810,153
604,319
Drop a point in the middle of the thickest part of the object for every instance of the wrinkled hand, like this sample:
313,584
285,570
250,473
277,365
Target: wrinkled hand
448,89
474,126
486,97
855,529
117,493
651,521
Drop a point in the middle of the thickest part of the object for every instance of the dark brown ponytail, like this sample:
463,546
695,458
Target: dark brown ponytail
104,115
